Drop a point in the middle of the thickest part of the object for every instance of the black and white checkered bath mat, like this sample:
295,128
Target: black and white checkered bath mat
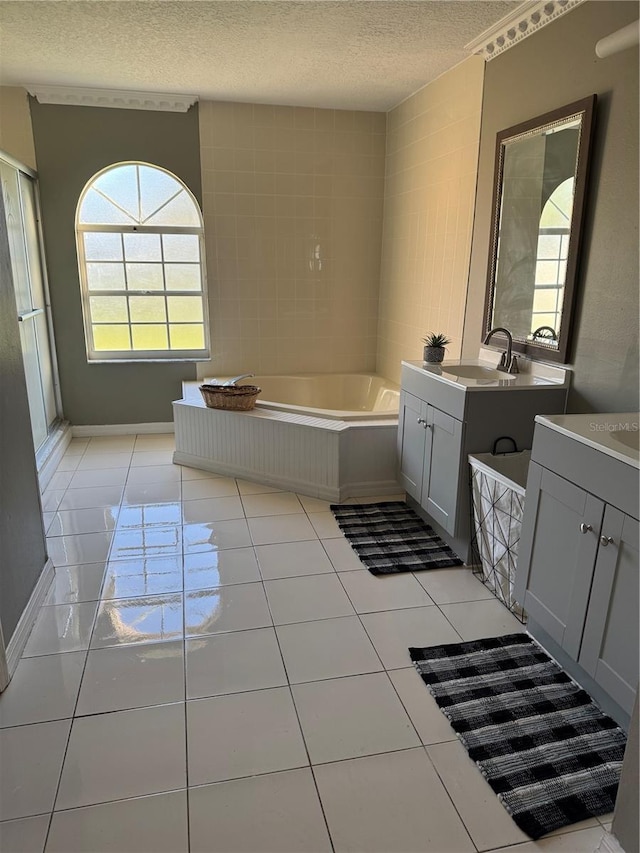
389,537
549,753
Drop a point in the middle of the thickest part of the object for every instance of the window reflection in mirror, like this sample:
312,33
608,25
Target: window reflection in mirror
541,169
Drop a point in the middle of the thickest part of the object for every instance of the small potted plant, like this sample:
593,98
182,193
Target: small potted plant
435,345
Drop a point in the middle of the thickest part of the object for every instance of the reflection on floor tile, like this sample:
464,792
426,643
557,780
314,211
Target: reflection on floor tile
225,608
150,515
80,548
148,674
72,584
206,569
146,542
218,535
61,628
142,577
96,496
92,520
138,620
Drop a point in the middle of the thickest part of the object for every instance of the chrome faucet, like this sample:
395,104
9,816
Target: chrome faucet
238,378
508,362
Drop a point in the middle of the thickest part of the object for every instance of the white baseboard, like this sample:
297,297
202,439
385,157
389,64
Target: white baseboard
287,484
25,623
121,429
609,844
370,489
49,456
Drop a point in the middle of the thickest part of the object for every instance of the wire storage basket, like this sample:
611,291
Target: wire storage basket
498,494
233,397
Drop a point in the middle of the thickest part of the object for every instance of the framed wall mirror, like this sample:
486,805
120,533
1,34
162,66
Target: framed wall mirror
538,209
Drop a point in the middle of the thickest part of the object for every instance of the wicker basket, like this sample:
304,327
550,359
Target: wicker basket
238,398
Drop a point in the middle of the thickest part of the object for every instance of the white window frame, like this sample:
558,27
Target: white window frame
119,356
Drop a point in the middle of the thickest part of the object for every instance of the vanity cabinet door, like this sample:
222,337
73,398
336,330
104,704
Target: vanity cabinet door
609,649
411,443
441,467
558,546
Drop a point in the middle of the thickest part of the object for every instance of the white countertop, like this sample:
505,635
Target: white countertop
532,374
613,433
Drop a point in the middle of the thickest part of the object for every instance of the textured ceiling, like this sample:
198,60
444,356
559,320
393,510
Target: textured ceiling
362,54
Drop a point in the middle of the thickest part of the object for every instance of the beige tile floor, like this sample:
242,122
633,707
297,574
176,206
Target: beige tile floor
213,670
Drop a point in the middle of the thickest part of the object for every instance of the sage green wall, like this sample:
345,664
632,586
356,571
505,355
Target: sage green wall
72,144
22,543
553,67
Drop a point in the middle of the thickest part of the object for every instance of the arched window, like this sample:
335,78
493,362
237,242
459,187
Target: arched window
141,257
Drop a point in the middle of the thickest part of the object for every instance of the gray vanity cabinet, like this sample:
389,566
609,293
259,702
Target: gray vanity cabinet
441,422
430,444
578,565
559,549
609,650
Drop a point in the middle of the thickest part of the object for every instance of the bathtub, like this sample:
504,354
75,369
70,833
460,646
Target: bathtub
343,396
331,436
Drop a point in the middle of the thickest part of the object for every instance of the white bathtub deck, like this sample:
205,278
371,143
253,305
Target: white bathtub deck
320,457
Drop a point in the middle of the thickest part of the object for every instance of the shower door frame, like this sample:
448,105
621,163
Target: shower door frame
32,175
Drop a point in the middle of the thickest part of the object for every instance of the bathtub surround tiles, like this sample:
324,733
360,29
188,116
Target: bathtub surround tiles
293,224
256,692
431,166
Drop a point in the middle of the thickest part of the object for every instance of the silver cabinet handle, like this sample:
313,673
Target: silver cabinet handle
606,540
585,528
422,421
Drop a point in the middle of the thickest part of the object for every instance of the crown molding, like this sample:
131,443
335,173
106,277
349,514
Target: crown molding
527,19
115,98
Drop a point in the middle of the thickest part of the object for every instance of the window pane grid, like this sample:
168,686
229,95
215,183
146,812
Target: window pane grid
149,253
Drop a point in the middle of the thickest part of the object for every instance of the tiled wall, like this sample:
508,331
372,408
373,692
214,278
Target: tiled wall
293,203
16,136
431,168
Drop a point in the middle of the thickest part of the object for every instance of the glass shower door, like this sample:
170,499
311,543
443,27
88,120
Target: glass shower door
21,220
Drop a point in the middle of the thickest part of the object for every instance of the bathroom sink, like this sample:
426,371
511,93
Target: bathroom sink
630,438
478,371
